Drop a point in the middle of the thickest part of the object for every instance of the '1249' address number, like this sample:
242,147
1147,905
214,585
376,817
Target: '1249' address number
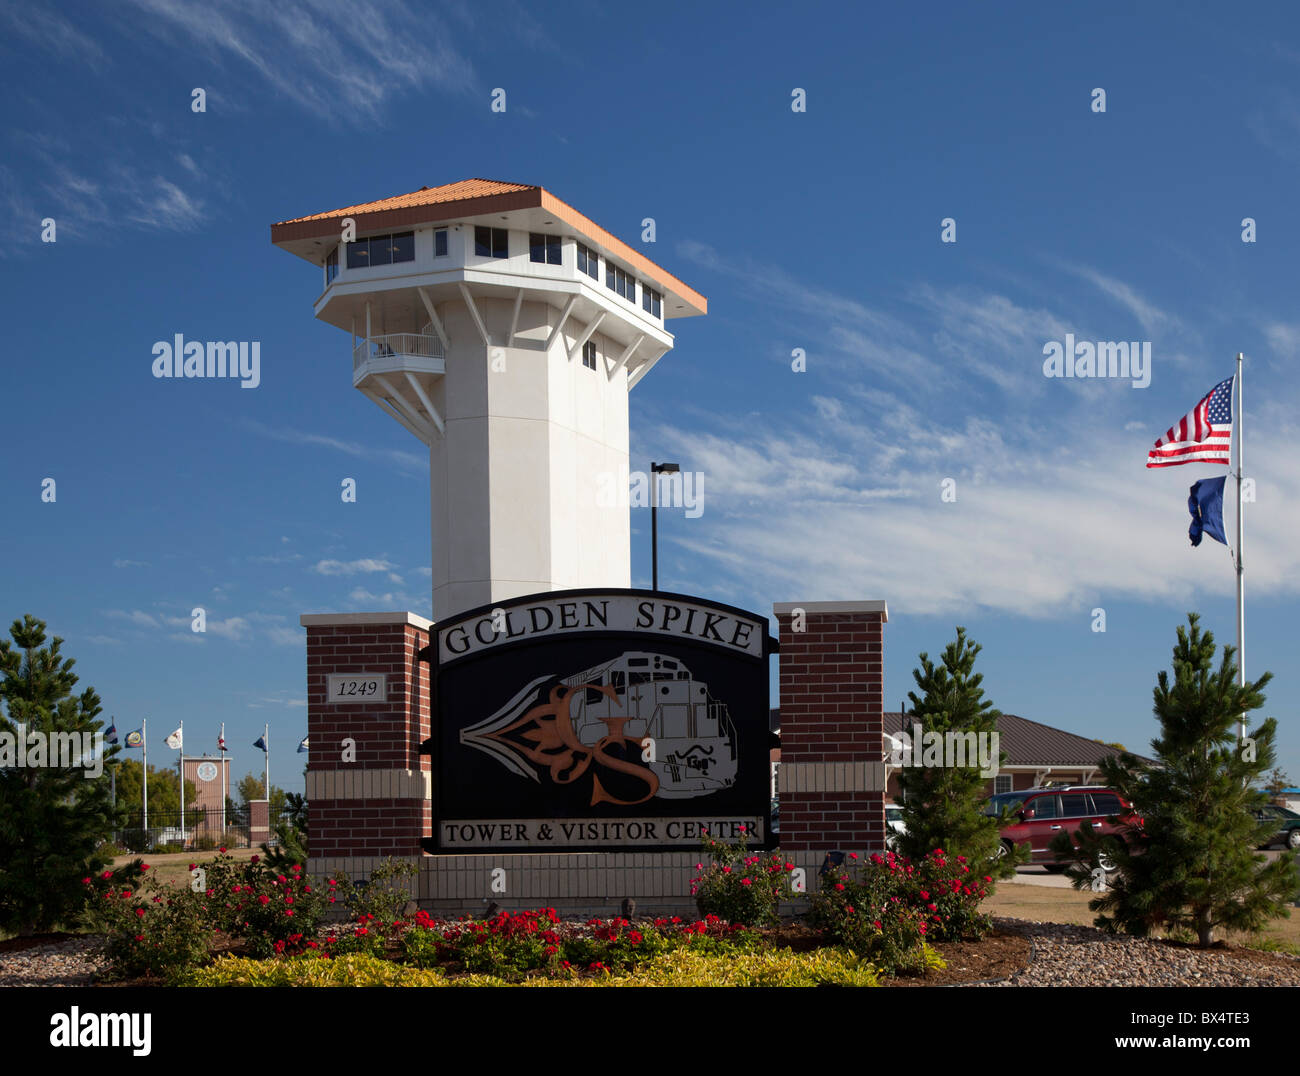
357,687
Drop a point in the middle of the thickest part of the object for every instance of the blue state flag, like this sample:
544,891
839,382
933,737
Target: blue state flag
260,742
302,747
1206,506
110,735
135,739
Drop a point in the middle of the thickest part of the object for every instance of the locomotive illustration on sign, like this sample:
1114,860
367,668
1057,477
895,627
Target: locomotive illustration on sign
643,708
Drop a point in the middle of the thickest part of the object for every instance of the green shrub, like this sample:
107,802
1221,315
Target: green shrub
355,969
161,933
893,907
740,887
384,895
780,967
270,911
679,967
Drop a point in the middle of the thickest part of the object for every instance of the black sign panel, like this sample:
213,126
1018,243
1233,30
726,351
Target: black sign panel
586,720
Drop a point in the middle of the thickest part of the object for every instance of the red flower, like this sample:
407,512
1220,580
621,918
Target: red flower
255,859
741,827
139,937
634,937
140,912
925,895
107,874
288,900
840,886
85,881
144,866
744,881
876,923
221,849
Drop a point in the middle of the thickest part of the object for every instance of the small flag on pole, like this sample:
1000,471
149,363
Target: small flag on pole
1203,435
135,739
260,742
110,736
174,740
1206,506
302,747
221,738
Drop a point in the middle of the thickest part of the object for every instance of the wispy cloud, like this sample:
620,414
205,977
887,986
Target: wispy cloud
337,59
406,461
808,508
122,562
50,31
135,616
352,567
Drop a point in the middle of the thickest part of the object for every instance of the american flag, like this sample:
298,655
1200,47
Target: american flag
1203,435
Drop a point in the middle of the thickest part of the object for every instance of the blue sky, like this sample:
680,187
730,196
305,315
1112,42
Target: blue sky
817,230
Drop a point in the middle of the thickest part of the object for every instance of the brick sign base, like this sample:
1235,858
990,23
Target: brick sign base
370,794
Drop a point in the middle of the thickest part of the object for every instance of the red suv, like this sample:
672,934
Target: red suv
1042,813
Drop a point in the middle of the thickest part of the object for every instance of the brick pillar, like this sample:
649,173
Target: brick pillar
259,822
378,805
831,781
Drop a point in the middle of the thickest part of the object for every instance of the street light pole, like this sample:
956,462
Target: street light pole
656,469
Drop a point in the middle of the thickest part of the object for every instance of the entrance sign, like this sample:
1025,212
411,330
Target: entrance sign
600,719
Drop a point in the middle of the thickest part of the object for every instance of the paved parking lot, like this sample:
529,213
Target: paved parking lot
1039,876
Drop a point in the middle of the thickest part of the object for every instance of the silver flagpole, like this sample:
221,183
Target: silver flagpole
181,766
1239,429
144,748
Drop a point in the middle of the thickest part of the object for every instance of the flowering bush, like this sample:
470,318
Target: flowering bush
539,940
146,933
741,887
894,907
272,913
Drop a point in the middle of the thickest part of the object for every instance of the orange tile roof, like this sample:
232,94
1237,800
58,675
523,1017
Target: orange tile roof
481,196
448,192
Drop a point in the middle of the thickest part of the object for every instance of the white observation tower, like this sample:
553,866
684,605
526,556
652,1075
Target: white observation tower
504,329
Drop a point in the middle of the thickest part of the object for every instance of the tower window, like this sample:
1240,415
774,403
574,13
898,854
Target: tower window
440,242
618,281
331,266
544,248
382,250
589,355
588,262
491,242
651,301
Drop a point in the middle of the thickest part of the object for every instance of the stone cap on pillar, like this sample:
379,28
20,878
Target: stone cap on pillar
877,606
311,620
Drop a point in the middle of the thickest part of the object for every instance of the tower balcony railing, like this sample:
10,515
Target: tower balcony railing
396,346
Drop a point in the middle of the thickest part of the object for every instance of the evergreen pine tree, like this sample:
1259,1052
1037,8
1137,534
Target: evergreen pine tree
291,832
943,806
1192,864
52,819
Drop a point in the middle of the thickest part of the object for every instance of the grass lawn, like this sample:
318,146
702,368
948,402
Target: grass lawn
173,868
1049,905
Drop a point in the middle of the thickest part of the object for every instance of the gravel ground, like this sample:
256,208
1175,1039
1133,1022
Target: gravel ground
1062,956
68,963
1084,956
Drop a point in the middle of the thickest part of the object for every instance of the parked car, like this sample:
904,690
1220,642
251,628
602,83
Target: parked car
1288,825
894,825
1039,814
